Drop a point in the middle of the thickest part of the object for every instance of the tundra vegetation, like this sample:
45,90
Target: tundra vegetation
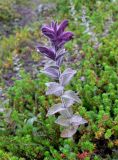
39,122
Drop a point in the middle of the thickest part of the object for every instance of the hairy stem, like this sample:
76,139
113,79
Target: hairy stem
68,114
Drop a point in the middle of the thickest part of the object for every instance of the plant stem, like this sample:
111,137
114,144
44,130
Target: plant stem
68,114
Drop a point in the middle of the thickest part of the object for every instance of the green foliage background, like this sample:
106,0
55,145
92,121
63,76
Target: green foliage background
25,131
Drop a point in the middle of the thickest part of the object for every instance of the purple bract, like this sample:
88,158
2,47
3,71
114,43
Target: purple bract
58,37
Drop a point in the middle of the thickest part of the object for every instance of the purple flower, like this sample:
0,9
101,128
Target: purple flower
56,33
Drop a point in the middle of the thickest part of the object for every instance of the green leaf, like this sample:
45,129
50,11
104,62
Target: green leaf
108,134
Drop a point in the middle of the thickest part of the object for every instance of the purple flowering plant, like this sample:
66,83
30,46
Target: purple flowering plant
55,53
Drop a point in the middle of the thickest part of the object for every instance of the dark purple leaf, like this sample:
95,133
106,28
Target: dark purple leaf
62,27
49,32
47,52
56,34
66,36
55,28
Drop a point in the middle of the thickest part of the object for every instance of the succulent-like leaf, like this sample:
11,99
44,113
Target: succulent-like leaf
71,95
56,108
53,71
66,76
54,88
69,131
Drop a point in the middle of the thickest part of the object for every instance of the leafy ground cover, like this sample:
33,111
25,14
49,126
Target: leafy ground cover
25,131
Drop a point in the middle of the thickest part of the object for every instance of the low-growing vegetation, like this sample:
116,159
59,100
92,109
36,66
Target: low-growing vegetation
26,133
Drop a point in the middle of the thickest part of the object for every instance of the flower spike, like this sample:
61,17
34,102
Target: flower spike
56,52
